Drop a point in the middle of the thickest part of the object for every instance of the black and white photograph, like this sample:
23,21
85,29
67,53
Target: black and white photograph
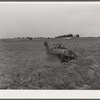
50,45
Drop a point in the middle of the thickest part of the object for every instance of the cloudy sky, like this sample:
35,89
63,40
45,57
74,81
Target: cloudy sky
49,19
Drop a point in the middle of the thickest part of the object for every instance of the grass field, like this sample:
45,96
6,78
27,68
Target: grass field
24,65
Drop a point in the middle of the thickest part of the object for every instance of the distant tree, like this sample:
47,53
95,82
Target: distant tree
63,36
69,35
77,35
30,38
27,37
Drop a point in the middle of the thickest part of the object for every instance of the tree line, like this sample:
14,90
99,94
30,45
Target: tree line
68,35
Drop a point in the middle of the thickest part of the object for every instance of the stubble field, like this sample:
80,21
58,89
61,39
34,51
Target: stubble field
24,65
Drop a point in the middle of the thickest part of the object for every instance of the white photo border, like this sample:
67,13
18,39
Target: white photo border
50,94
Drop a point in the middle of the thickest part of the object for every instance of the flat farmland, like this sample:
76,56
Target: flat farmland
25,65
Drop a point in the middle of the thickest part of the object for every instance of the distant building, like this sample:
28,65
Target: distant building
67,38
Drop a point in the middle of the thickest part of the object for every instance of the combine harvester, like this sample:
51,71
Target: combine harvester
62,53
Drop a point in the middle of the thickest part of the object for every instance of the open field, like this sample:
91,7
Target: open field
24,65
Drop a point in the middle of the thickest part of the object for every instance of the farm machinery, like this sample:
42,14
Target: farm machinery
61,52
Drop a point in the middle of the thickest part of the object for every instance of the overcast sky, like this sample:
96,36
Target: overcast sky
49,19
